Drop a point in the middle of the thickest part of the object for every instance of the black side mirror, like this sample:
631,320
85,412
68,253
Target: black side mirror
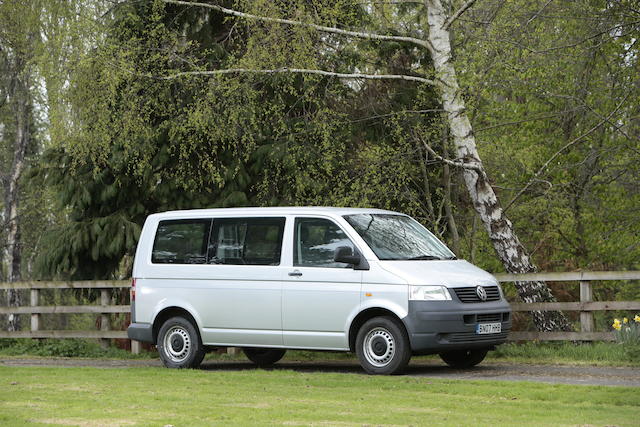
345,254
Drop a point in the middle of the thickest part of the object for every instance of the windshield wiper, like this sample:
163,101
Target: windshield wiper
451,257
423,257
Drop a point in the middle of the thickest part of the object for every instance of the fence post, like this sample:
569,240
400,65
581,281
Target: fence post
35,317
586,317
105,299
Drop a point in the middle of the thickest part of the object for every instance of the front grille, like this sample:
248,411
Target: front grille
473,337
485,318
490,317
470,295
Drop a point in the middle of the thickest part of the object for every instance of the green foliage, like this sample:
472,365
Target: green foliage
61,348
128,140
537,82
142,144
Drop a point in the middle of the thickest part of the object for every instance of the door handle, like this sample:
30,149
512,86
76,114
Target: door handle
295,273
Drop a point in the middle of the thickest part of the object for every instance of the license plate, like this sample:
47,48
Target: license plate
489,328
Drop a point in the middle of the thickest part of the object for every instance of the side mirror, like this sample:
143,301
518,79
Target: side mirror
345,254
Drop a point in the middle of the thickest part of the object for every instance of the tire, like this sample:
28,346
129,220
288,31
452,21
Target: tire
382,346
179,344
462,359
264,357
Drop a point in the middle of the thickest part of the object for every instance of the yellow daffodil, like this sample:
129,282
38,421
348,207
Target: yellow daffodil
616,324
625,320
636,318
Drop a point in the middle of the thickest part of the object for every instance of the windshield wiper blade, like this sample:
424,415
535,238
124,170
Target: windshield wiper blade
451,257
424,257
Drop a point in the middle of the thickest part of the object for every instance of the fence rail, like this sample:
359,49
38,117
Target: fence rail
586,306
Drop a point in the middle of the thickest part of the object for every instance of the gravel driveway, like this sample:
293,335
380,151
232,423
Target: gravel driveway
560,374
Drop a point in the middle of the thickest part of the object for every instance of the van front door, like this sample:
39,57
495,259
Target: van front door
318,294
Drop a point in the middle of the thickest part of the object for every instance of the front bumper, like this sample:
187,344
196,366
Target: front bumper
437,326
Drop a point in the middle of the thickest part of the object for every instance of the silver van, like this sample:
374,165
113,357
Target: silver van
369,281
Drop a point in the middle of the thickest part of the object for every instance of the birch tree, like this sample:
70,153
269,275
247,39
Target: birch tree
16,41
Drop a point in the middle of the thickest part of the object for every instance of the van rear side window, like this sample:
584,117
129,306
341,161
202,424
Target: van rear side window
246,241
181,242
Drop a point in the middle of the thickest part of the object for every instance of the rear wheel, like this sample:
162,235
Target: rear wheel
464,358
179,344
264,357
382,346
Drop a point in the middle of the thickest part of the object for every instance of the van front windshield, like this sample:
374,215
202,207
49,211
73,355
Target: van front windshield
398,237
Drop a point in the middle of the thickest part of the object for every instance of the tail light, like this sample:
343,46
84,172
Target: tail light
133,289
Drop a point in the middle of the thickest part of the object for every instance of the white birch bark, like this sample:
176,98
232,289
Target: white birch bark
19,95
505,242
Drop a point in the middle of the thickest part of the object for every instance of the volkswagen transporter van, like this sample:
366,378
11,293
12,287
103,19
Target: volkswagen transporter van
369,281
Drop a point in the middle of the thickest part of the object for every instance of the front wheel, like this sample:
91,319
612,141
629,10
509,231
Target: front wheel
264,356
464,358
179,344
382,346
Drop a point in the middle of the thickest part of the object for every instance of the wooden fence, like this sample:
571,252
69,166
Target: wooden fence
36,310
586,306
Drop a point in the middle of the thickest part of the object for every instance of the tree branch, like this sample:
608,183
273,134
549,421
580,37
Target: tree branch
333,30
458,164
561,150
458,13
301,71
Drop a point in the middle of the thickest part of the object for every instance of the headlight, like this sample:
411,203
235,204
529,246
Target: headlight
428,293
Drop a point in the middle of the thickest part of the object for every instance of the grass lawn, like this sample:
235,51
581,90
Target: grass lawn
158,396
554,353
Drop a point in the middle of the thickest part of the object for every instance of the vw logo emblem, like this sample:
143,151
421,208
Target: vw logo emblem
482,293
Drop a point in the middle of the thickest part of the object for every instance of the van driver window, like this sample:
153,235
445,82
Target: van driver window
315,243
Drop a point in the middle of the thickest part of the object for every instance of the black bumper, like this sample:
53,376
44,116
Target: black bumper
140,332
437,326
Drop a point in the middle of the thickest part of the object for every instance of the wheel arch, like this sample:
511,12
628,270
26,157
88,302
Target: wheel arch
365,315
169,312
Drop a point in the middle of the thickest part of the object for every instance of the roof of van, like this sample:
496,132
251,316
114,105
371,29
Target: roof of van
286,210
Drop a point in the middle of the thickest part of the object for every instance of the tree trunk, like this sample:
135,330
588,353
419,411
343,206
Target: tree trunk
505,242
20,102
448,203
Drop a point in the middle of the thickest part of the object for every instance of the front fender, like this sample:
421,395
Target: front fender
397,309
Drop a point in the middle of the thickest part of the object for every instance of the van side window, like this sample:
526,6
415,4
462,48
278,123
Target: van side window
315,242
181,242
246,241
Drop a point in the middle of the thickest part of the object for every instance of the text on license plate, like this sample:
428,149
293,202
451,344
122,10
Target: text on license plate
489,328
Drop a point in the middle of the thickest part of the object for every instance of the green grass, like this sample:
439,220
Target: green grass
158,396
598,354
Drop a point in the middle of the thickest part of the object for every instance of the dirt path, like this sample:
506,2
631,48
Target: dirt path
557,374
